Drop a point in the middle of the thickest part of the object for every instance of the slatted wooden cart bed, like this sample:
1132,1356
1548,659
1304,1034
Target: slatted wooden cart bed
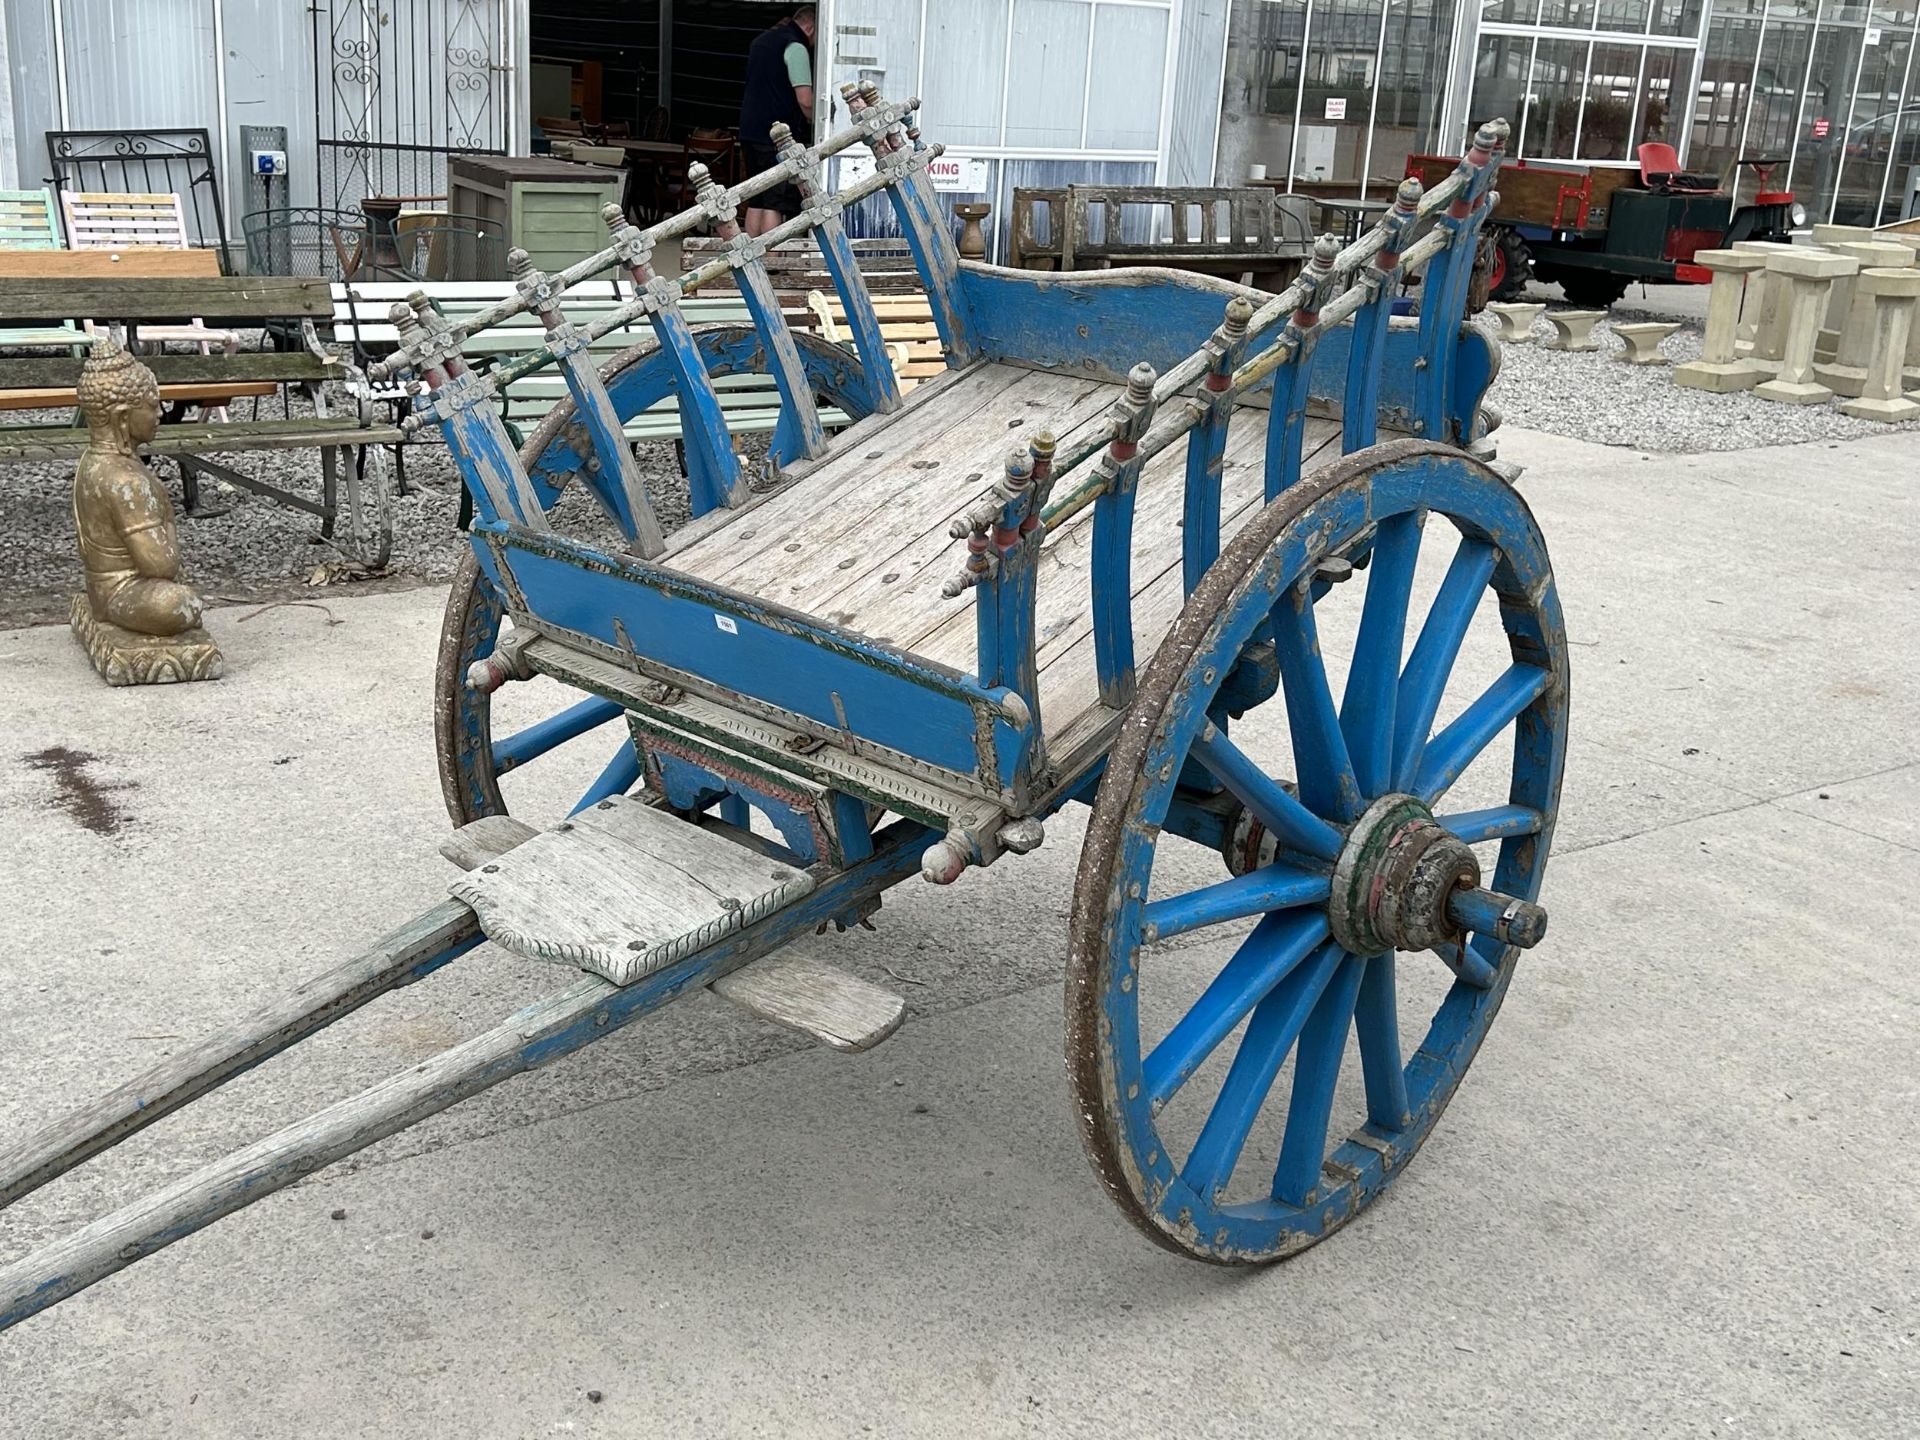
1105,559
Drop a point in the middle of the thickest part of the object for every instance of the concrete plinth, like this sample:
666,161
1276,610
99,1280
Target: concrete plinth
1516,321
1764,319
1892,293
1806,275
1719,367
1573,329
1643,341
1844,351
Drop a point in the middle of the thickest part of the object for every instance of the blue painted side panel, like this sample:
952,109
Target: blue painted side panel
831,677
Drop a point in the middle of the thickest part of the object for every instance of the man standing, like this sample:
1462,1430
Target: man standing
779,87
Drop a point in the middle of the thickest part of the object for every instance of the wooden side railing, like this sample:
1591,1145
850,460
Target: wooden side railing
1195,400
458,400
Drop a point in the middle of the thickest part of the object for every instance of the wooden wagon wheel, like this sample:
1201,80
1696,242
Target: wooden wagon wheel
471,760
1338,870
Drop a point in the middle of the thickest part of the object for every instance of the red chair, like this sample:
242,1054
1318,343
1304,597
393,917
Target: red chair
1660,170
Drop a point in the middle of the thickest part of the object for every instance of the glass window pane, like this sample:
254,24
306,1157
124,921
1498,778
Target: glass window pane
1903,181
1049,73
966,65
1627,15
1509,12
1726,85
1662,90
1553,98
1129,69
1776,90
1339,91
1874,122
1413,80
1262,85
1500,84
1568,14
877,40
1606,127
1821,128
1682,17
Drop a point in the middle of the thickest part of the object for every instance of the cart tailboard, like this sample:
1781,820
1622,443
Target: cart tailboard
804,673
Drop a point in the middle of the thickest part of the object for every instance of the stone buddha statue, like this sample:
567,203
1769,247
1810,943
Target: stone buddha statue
136,621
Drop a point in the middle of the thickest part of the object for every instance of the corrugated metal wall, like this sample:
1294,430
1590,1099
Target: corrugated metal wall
154,63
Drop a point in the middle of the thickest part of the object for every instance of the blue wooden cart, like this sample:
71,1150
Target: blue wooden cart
1099,560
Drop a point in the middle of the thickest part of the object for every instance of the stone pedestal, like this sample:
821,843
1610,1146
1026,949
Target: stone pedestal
1719,367
1643,341
126,657
1806,276
1516,320
1573,329
1845,367
1762,335
1891,293
1840,297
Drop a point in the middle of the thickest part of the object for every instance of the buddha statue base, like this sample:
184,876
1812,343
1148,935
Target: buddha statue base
126,657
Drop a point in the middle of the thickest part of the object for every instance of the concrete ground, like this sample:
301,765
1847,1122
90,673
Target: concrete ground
1676,1195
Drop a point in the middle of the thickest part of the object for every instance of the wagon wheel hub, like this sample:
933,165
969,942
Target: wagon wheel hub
1404,882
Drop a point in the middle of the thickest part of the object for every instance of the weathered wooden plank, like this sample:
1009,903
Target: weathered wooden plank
53,442
250,366
815,998
51,397
624,889
920,554
151,261
857,482
416,949
144,298
479,842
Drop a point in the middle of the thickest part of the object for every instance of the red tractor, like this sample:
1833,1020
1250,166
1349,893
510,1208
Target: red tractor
1594,230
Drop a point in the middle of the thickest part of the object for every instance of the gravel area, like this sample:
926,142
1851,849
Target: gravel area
259,550
1595,396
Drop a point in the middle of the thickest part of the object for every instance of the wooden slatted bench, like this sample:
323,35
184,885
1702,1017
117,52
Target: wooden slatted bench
906,325
244,302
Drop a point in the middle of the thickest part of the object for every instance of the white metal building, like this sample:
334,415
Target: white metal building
371,94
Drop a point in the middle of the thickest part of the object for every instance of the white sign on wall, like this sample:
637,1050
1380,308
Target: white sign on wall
1336,107
957,174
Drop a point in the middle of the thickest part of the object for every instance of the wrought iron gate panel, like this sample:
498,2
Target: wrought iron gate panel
400,85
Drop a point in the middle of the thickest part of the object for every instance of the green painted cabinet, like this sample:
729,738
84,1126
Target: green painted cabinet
549,208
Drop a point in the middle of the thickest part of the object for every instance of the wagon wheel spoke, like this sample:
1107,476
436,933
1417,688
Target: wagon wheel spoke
1457,746
1320,754
549,734
1367,711
1275,946
1316,1070
1376,1022
1425,678
1272,887
1494,823
1286,818
620,776
1276,1024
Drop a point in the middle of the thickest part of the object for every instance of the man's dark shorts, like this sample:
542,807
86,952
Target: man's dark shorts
784,198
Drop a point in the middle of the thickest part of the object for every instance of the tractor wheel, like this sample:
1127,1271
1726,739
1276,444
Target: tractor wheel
1512,265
